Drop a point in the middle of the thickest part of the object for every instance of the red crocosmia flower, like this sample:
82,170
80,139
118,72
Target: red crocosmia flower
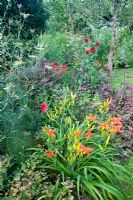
55,66
97,44
92,50
64,66
44,107
50,153
88,134
87,52
86,40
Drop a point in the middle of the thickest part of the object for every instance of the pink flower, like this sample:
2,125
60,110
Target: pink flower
97,44
44,107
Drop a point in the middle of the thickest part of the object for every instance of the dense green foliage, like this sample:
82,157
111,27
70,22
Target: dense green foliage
31,13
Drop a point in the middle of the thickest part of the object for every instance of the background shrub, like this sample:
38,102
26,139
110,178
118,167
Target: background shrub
31,13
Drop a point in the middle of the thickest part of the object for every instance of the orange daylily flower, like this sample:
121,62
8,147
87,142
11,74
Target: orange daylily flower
105,125
92,118
51,132
88,134
78,133
113,125
116,120
116,129
86,150
50,153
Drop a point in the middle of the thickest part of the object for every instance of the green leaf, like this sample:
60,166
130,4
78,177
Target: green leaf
89,188
109,189
78,186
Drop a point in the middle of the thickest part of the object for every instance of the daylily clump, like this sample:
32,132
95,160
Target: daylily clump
71,142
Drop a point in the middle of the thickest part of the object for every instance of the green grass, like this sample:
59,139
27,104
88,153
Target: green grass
119,77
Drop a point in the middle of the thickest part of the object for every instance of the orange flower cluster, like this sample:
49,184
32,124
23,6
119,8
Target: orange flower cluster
113,125
85,150
116,124
50,154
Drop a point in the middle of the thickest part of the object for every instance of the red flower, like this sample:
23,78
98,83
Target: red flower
97,44
87,52
50,153
64,66
55,66
44,107
92,50
86,40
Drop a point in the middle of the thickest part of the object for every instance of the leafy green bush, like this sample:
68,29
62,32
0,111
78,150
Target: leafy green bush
16,113
55,46
31,13
103,35
17,93
124,52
